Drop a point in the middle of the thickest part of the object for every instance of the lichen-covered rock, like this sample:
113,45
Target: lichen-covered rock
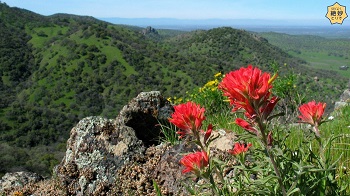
168,171
143,113
98,147
50,187
95,150
159,164
18,179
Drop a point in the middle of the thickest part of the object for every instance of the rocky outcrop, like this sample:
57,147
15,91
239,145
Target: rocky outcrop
98,147
149,30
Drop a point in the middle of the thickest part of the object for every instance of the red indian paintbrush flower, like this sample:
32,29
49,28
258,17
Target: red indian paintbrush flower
250,89
194,162
207,134
311,113
188,117
247,88
240,148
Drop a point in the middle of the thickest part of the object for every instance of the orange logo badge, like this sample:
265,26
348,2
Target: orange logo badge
336,13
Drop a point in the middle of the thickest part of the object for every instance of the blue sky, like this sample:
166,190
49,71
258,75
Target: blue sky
185,9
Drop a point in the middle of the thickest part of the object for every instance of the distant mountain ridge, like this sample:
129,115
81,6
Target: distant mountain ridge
295,27
212,22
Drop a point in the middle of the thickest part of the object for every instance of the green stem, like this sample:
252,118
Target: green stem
215,188
199,141
221,177
278,174
262,128
324,179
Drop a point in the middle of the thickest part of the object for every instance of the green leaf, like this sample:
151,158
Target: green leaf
290,192
157,189
274,116
189,189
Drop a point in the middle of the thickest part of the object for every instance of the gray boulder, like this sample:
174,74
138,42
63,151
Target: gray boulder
95,149
98,147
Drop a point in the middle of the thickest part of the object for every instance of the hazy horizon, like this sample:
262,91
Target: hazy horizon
215,21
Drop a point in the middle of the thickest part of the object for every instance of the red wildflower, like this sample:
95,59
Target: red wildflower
240,148
195,162
188,117
246,88
311,113
208,132
247,126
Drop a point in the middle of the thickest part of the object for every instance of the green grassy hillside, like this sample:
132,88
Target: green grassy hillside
318,52
56,70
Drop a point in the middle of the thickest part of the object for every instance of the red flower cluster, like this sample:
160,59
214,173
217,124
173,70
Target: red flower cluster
240,148
188,117
194,162
250,89
311,113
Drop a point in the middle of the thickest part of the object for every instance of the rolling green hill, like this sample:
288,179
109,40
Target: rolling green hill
56,70
318,52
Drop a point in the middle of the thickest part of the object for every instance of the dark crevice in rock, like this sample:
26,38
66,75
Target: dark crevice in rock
144,113
146,128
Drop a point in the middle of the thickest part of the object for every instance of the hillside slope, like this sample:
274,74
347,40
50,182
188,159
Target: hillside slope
319,52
